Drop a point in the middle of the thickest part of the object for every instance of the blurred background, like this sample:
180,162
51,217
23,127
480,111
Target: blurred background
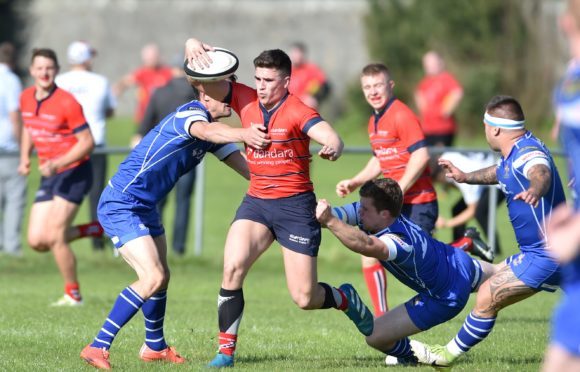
491,46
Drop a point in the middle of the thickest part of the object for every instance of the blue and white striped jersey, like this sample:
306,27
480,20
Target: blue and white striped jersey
529,223
166,153
416,259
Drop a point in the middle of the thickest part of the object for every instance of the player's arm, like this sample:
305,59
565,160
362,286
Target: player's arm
324,134
123,84
371,171
415,167
237,162
216,132
540,177
84,146
484,176
26,146
462,218
352,238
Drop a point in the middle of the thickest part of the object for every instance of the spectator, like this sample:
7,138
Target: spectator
437,97
12,184
308,81
94,94
163,102
151,75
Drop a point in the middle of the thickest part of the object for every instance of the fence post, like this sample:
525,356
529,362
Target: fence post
198,207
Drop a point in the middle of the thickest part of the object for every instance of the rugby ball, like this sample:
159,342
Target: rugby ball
224,64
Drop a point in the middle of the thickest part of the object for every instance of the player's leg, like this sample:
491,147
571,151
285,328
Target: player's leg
143,256
245,242
376,281
501,290
309,294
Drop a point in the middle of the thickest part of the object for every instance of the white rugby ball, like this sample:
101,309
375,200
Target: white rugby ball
224,64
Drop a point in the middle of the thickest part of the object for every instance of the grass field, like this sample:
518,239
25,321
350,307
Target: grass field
274,335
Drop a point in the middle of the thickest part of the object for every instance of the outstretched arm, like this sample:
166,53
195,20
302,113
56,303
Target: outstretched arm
371,171
352,237
415,167
324,134
216,132
485,176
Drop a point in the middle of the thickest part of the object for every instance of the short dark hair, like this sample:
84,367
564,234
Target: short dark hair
506,107
375,69
46,53
385,193
276,59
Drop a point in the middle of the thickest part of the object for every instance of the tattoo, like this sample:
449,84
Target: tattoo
504,289
540,178
485,176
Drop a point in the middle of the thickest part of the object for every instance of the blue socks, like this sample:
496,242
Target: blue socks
401,349
474,330
126,306
154,313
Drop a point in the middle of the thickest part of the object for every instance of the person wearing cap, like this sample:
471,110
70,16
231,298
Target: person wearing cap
93,92
528,177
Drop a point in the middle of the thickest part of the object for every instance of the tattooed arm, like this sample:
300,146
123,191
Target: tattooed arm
485,176
540,178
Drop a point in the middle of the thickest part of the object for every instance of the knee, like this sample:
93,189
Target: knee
38,243
155,281
233,276
304,300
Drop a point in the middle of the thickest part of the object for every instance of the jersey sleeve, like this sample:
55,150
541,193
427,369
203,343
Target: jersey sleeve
348,213
74,115
222,151
528,156
309,118
399,250
409,130
188,114
241,96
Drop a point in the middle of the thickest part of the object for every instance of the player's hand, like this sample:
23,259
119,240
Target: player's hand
345,187
257,137
328,153
47,169
563,233
451,171
530,196
195,53
24,167
323,212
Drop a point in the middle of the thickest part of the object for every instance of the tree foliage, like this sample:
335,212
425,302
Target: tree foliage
491,46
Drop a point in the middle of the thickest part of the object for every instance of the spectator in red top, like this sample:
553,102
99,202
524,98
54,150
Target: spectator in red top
437,97
56,127
308,81
150,76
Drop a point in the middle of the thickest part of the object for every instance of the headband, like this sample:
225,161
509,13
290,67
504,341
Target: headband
503,123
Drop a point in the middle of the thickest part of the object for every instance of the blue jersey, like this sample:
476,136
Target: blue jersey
420,262
166,153
567,97
529,223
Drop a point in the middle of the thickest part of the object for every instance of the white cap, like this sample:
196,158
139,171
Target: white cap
79,52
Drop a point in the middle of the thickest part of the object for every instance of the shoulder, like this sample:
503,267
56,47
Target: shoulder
400,111
191,109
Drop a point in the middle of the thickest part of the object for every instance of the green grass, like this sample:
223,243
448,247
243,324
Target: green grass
274,335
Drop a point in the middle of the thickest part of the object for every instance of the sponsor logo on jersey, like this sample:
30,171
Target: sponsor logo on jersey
529,156
278,130
271,154
385,151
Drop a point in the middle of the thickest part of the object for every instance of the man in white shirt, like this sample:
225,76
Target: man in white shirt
93,92
12,184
